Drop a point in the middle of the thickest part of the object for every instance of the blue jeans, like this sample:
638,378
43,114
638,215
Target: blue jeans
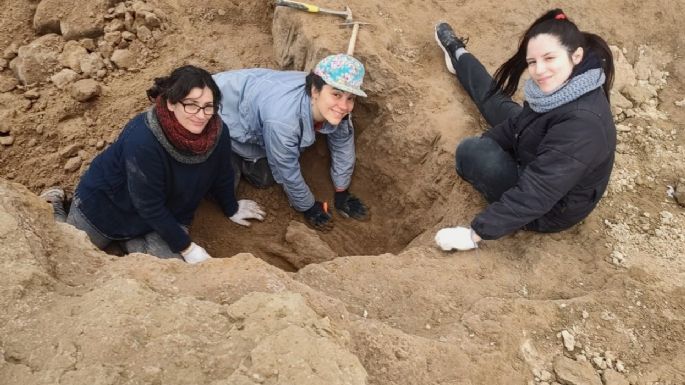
150,243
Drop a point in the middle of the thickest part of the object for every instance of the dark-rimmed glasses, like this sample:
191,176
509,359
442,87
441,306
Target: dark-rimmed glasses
192,108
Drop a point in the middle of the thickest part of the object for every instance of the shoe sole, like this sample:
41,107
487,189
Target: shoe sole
448,61
53,192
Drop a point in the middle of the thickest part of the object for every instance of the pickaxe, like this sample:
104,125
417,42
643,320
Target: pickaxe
347,14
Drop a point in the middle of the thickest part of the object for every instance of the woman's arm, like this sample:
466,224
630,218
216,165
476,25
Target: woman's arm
566,152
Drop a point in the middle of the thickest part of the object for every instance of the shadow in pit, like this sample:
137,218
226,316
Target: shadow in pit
383,232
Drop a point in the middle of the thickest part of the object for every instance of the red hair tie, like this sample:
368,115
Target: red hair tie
560,16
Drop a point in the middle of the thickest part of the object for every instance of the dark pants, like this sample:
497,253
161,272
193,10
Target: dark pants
151,243
480,160
483,163
256,172
477,82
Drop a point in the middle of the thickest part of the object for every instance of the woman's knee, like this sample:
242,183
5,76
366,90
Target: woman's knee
470,152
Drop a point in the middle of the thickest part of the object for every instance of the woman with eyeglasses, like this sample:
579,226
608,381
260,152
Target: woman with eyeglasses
144,189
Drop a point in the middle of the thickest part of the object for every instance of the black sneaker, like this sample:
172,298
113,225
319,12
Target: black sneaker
449,42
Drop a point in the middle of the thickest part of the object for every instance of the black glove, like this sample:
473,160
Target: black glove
350,206
318,218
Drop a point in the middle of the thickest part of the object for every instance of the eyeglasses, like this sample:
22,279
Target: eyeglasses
192,108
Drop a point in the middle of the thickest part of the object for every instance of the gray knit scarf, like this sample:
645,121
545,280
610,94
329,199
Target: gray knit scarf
156,129
576,87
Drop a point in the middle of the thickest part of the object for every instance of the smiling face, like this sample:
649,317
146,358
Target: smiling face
331,104
197,97
549,63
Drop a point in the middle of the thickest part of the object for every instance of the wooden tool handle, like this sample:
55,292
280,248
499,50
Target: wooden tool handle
297,5
353,39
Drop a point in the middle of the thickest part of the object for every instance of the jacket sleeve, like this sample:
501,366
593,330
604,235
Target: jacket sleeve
282,145
223,189
147,180
563,157
503,134
341,146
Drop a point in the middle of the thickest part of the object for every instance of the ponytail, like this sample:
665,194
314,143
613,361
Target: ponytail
555,23
601,48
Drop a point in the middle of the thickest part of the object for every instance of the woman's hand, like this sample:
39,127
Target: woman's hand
459,238
195,254
247,209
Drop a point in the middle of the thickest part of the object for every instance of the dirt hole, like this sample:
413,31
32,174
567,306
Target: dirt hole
386,231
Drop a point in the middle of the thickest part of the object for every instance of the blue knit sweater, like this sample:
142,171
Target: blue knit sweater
136,186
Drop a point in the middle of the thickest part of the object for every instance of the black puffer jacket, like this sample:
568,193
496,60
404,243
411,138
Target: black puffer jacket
565,159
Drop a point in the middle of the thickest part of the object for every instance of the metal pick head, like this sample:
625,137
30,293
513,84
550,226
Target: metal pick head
349,18
355,22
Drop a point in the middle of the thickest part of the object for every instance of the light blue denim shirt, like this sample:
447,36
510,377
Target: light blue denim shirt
268,114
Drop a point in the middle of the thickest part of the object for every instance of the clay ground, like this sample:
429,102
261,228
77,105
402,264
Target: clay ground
369,302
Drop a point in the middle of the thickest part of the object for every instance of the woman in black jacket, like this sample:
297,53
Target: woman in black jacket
544,166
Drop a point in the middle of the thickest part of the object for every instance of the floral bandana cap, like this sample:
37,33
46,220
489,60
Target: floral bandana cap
342,72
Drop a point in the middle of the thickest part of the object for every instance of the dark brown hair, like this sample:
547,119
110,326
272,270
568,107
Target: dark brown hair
555,23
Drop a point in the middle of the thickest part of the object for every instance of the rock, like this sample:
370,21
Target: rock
144,34
38,60
141,8
128,21
545,376
617,258
8,83
680,103
6,140
70,150
91,64
611,377
679,194
151,20
113,37
570,372
123,58
73,19
64,78
72,55
126,35
85,89
73,164
639,94
32,94
599,362
618,100
569,340
115,25
88,44
10,52
308,246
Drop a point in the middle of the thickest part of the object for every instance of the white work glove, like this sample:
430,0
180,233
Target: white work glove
195,254
247,209
460,238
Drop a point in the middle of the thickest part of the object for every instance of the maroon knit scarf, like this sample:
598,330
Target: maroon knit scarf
180,137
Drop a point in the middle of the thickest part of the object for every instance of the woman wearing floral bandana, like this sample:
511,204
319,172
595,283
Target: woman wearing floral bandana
274,115
144,189
544,166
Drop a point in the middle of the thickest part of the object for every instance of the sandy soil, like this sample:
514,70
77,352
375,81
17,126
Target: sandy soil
368,303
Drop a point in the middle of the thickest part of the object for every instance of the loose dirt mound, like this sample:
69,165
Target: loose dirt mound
372,302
